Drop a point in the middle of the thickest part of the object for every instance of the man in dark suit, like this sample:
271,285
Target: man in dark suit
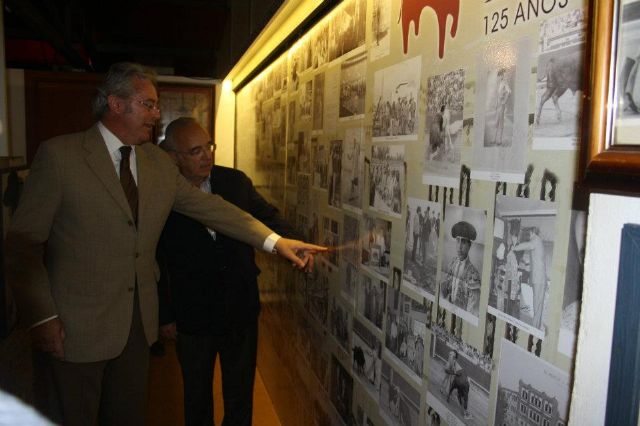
80,253
208,287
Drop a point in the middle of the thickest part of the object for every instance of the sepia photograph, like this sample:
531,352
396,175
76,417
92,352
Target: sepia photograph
376,246
341,390
352,175
573,284
444,130
315,292
387,179
559,88
320,45
461,267
501,124
340,322
530,389
303,160
306,100
380,29
399,400
320,164
304,185
459,380
353,84
347,28
395,98
351,240
421,246
349,282
335,174
523,240
318,101
330,238
367,358
406,329
371,299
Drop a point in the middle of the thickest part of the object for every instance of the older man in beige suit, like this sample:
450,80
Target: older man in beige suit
80,253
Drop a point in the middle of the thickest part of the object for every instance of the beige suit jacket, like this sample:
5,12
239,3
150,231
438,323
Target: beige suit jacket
74,251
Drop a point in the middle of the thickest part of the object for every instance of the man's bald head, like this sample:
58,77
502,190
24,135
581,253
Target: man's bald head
191,148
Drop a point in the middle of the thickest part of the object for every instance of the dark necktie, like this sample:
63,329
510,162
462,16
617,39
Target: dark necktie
127,181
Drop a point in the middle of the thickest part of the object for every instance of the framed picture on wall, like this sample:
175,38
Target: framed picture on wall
180,100
612,160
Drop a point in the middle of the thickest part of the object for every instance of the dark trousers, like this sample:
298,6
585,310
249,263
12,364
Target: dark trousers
110,392
197,357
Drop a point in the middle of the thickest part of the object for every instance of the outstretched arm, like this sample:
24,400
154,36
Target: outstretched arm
299,253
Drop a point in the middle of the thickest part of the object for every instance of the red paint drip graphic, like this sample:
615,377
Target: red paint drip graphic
411,10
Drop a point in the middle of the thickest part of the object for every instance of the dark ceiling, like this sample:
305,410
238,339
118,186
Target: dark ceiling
195,38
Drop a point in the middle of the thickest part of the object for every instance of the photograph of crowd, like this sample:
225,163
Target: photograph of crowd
349,282
347,29
318,101
524,234
421,246
341,390
530,390
387,179
573,284
351,240
399,400
371,299
395,97
320,160
406,328
559,83
367,358
444,130
376,245
459,380
462,261
340,321
381,30
352,168
335,171
353,83
330,238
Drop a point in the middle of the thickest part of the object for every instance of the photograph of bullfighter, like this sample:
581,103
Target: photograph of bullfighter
559,83
367,358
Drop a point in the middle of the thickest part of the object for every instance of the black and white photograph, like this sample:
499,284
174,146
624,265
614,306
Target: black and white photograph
406,330
627,96
330,238
294,67
421,246
341,390
459,380
320,167
367,358
501,124
461,267
304,185
313,234
573,284
348,27
316,292
291,122
351,240
395,101
349,282
399,400
292,162
306,100
335,172
530,390
387,179
444,131
340,321
331,100
320,45
559,84
523,240
376,246
363,418
303,153
318,101
352,175
380,29
353,84
371,299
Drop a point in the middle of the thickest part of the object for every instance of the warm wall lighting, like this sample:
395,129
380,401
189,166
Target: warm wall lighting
226,85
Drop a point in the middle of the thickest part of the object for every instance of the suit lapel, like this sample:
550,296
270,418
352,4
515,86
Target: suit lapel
100,162
145,181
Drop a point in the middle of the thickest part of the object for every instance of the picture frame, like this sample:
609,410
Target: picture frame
185,100
611,160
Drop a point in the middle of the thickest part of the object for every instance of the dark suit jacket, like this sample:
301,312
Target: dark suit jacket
209,286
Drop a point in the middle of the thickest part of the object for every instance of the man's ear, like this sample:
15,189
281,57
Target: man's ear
116,104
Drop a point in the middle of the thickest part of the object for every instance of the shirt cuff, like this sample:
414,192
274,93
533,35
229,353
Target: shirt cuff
269,244
42,322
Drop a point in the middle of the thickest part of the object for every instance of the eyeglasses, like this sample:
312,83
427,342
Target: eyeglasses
150,106
197,151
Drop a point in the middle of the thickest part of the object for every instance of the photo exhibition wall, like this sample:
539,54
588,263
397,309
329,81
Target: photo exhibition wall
433,147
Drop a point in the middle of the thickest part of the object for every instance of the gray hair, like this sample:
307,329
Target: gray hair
176,125
119,82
